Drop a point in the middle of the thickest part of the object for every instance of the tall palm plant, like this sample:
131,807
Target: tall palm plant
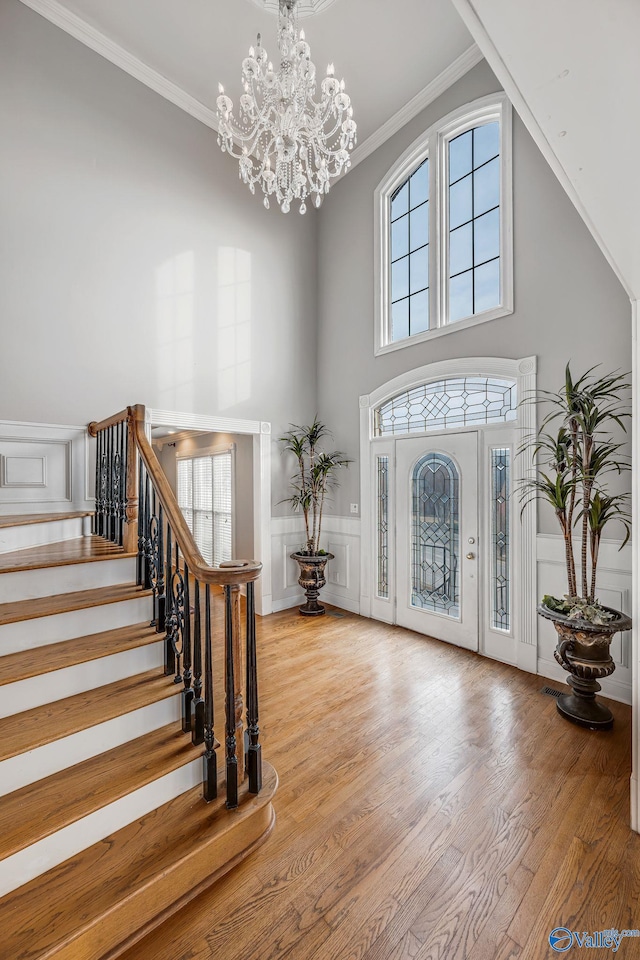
315,476
577,455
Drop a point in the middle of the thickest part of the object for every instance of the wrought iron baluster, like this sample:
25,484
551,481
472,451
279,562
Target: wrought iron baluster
116,533
177,616
161,599
97,521
187,693
104,470
209,759
110,484
198,702
254,753
122,504
151,552
170,622
141,508
230,711
146,527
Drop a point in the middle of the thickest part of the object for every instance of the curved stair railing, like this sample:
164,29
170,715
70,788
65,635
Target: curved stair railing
136,508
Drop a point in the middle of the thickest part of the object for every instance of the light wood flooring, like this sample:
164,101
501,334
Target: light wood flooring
432,804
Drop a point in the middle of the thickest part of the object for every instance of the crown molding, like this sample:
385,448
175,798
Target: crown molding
91,37
461,65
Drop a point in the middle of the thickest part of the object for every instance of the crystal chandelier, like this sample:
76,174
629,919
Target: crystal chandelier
288,144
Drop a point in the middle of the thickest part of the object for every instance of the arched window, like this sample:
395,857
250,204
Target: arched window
443,240
442,404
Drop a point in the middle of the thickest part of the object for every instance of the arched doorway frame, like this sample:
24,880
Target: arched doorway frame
523,371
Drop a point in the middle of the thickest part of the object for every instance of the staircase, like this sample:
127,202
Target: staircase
104,831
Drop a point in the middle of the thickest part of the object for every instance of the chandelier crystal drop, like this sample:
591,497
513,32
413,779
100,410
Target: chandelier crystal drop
289,145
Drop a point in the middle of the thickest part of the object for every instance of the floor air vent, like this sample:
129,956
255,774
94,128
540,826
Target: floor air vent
550,692
336,614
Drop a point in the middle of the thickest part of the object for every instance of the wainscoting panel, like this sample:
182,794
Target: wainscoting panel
341,537
614,590
43,468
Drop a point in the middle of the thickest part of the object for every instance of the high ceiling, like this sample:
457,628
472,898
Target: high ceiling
387,52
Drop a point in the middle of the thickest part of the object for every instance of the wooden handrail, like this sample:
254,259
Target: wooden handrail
95,428
228,575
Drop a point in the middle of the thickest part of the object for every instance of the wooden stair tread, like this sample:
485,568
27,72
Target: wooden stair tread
53,721
41,808
68,653
25,519
121,872
62,553
67,602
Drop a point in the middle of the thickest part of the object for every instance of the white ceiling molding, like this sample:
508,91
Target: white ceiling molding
306,8
91,37
478,31
431,92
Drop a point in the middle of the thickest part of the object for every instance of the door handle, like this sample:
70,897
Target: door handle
471,556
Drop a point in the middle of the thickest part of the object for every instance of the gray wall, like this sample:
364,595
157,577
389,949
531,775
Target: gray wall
134,266
243,492
568,303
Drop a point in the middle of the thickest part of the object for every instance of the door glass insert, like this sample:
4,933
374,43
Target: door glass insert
383,527
435,535
500,489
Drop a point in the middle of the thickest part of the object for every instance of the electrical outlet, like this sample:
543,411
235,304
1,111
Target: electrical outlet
354,508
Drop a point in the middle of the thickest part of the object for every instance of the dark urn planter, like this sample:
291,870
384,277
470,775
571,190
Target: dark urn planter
311,580
583,651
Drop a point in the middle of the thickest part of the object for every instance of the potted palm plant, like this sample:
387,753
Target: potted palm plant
577,453
315,476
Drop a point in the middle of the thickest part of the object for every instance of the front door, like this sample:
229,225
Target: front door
437,536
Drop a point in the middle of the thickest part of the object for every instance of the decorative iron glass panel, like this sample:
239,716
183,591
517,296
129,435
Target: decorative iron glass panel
474,221
435,535
457,402
383,527
500,545
409,256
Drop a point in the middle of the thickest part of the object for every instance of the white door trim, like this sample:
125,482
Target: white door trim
524,372
261,432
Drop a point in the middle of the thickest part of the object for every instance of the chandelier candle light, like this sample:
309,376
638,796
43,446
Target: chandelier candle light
288,144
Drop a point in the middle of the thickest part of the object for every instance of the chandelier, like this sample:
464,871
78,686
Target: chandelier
289,145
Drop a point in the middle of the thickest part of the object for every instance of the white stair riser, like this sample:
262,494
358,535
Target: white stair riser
28,634
50,581
17,772
47,853
37,534
36,691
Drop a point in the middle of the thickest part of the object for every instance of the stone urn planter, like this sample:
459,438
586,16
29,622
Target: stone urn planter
312,580
583,650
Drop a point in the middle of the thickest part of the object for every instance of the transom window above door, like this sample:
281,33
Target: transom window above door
443,235
443,404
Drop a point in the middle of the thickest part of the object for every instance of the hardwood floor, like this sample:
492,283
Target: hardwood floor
432,804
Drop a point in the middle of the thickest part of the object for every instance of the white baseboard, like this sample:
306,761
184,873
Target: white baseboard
286,603
345,603
611,688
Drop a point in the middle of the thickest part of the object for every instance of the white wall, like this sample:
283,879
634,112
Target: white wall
134,266
568,303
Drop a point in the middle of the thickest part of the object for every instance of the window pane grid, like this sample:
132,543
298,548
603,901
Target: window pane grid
473,291
479,167
410,273
456,402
